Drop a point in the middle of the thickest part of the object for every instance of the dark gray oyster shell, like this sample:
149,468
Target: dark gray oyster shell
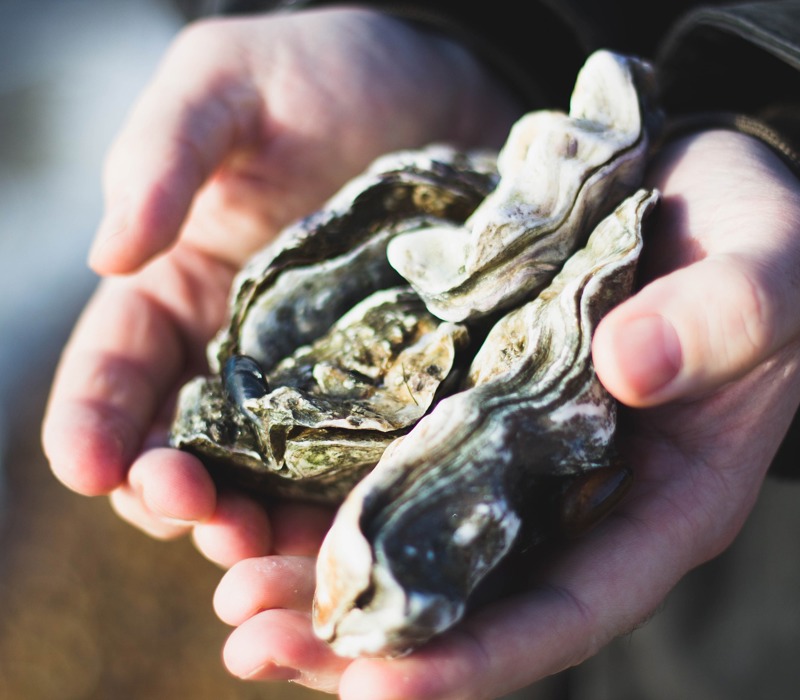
289,307
445,504
419,352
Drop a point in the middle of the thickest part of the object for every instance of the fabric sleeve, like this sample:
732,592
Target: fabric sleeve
741,62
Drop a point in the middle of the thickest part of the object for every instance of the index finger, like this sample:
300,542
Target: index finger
112,376
126,355
198,107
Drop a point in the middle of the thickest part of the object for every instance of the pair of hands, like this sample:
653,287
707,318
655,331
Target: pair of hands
250,123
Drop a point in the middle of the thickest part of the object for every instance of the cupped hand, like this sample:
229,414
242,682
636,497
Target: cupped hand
248,124
727,234
707,353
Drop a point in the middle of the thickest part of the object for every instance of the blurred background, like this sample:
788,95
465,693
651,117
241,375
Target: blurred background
90,609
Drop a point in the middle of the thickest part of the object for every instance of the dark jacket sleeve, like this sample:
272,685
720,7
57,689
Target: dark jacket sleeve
741,59
732,57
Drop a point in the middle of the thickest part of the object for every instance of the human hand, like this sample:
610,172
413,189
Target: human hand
721,261
247,125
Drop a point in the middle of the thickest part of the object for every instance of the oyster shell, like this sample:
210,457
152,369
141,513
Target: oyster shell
445,503
407,332
560,174
336,403
309,380
291,292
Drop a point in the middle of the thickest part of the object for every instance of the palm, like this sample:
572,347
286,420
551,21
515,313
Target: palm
262,131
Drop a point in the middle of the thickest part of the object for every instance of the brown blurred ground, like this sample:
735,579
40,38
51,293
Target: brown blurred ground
91,608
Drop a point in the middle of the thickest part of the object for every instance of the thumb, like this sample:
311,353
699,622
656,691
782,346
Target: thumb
184,124
693,330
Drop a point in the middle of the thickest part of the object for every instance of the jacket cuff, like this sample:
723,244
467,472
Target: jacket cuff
761,129
742,59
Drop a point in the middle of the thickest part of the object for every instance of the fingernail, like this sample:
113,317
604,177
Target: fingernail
649,353
272,672
181,522
135,485
165,515
139,488
113,224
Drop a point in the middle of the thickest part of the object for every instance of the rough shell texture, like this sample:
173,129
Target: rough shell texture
445,503
296,288
560,174
420,349
341,377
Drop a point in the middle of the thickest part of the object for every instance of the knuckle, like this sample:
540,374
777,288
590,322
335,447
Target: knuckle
199,35
740,314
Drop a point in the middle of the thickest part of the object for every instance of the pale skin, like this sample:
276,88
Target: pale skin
239,133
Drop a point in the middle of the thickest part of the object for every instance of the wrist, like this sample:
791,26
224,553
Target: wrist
689,124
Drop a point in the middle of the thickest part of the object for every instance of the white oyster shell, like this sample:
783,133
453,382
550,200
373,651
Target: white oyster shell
560,174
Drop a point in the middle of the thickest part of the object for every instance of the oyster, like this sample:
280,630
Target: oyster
336,403
445,503
419,351
313,375
291,292
560,174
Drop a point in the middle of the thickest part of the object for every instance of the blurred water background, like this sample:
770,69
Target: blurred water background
68,72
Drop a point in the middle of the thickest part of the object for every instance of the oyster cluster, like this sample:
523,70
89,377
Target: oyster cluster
419,350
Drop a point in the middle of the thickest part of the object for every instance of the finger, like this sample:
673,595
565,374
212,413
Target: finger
128,505
134,341
281,645
239,529
197,108
174,486
112,376
693,330
299,528
725,241
263,583
167,492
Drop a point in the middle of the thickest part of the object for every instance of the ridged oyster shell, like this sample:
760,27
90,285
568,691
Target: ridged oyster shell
315,418
560,174
417,300
446,502
336,403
